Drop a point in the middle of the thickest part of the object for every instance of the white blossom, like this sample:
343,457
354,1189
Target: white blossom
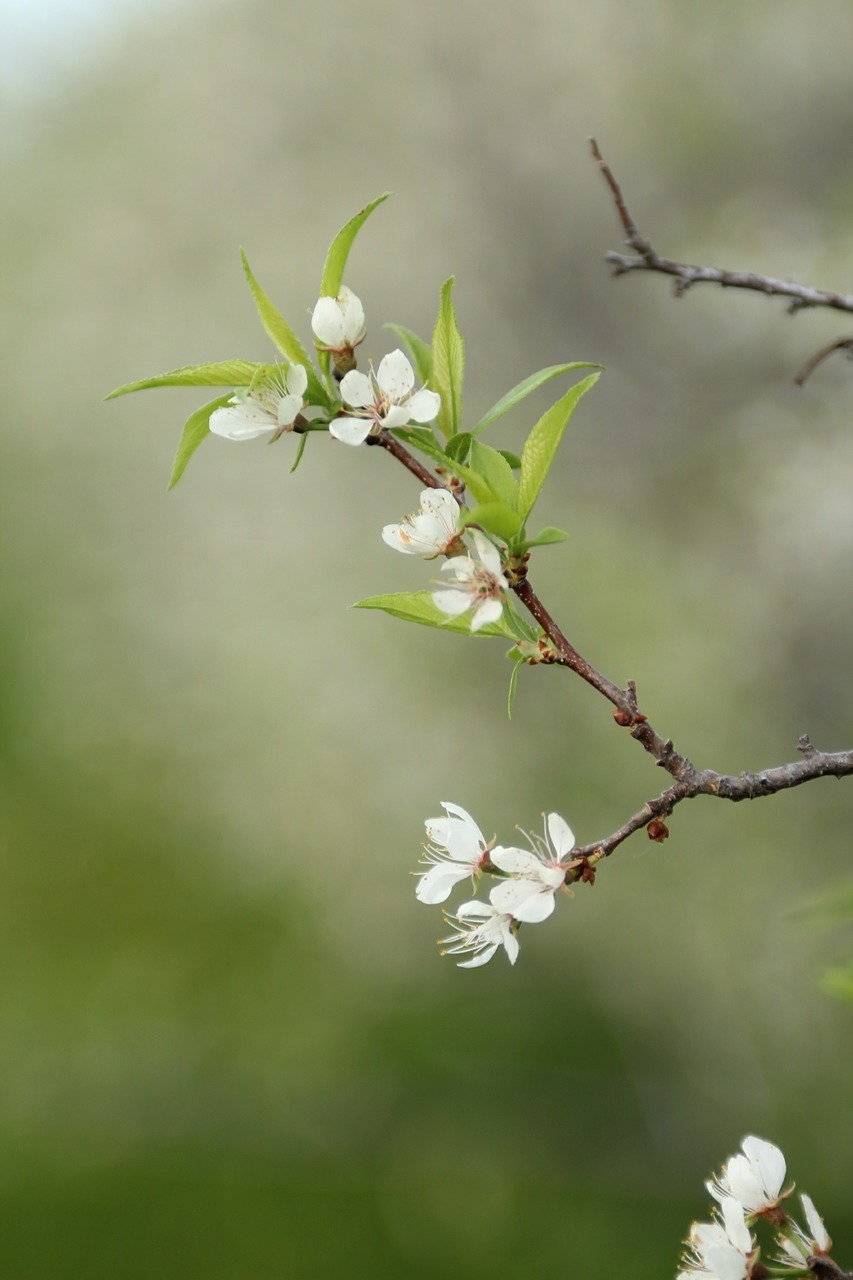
804,1244
384,399
720,1250
269,407
338,323
535,874
480,930
479,584
457,849
754,1179
432,530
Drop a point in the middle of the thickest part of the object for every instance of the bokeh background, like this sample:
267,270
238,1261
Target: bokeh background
228,1046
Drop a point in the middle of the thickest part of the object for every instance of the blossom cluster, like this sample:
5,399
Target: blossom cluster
749,1190
528,881
385,398
373,402
475,581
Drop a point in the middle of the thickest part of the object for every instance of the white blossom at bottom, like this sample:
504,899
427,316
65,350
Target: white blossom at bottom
804,1244
456,850
720,1250
480,930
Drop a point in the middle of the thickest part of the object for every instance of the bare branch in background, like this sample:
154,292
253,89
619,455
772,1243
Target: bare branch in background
685,275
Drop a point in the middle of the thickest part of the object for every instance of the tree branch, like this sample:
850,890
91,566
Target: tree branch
685,275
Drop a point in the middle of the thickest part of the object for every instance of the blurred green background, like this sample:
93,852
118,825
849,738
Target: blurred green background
228,1046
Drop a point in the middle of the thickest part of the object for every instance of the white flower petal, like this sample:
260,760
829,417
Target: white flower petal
525,900
451,601
296,380
423,406
818,1233
395,376
241,422
560,835
327,322
357,390
288,407
350,430
488,553
437,884
488,611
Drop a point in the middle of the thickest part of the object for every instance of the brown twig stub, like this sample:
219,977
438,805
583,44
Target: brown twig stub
841,344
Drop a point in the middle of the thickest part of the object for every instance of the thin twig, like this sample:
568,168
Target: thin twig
686,274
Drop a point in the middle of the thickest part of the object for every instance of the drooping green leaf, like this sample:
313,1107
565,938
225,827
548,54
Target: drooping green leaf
448,363
277,328
493,517
520,628
517,661
418,607
541,446
496,471
221,373
300,449
546,537
419,350
195,430
524,389
336,258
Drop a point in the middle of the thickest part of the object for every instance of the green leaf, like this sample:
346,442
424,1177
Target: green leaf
419,350
300,449
513,680
448,360
336,258
458,446
512,458
195,430
541,446
524,388
221,373
423,439
496,471
546,537
519,627
277,328
495,518
418,607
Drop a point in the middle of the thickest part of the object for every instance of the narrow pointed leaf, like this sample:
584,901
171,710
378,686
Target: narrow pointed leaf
524,389
495,469
520,628
277,328
513,684
300,449
448,363
541,446
336,258
512,458
221,373
418,607
196,429
420,351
